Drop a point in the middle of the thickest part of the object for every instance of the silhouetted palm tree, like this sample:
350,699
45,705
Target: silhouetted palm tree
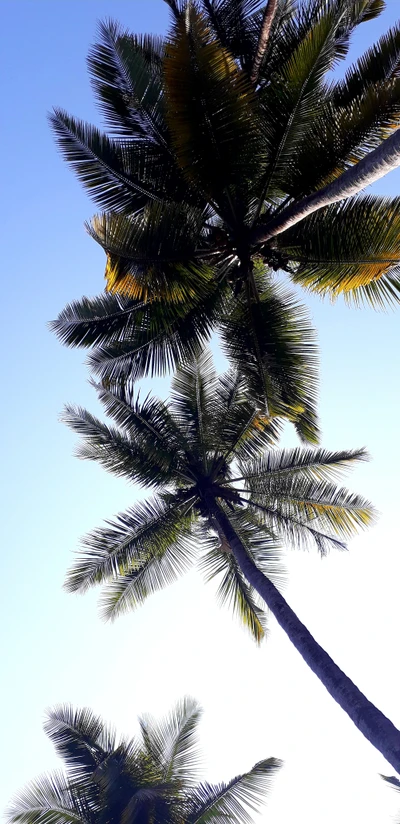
223,493
231,153
150,779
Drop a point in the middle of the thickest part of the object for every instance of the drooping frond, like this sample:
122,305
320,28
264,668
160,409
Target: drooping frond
154,572
153,255
347,246
144,531
51,799
301,510
271,342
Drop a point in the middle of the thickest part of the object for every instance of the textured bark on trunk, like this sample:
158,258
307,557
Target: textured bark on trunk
371,168
269,14
375,726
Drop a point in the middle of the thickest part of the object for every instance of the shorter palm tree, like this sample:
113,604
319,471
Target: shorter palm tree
225,492
146,780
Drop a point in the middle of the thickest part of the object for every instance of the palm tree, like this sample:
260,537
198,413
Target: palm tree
150,779
230,156
224,493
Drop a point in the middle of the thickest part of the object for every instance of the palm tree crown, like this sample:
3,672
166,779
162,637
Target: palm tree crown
150,779
206,445
230,153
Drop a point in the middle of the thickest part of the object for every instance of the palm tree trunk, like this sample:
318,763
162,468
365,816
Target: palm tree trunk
371,168
268,18
378,729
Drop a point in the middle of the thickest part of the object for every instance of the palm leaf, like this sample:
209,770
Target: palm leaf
347,245
50,800
218,803
128,591
102,166
145,530
172,743
271,342
314,464
210,109
153,255
80,738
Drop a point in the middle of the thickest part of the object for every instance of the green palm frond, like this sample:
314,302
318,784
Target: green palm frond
144,531
233,801
233,589
50,799
210,109
80,738
299,508
346,246
108,170
153,255
130,338
239,428
120,454
127,80
314,464
192,396
272,343
154,572
173,744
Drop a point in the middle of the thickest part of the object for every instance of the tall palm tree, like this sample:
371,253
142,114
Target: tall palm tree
150,779
224,493
232,154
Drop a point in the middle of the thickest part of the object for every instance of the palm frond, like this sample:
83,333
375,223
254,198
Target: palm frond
129,590
153,255
80,738
144,531
298,509
126,77
50,800
346,246
272,343
233,801
120,454
210,111
173,743
314,464
102,166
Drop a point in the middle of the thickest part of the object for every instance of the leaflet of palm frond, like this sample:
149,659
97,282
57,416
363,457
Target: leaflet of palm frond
272,344
155,255
161,338
342,135
298,90
361,245
210,111
126,72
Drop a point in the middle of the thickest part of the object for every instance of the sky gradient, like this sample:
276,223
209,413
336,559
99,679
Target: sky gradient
54,648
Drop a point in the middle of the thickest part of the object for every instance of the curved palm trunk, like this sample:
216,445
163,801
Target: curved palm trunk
371,168
378,729
268,19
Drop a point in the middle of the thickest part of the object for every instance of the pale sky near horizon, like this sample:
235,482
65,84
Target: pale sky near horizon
54,648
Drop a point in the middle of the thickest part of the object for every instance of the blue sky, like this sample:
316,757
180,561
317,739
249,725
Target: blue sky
54,648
